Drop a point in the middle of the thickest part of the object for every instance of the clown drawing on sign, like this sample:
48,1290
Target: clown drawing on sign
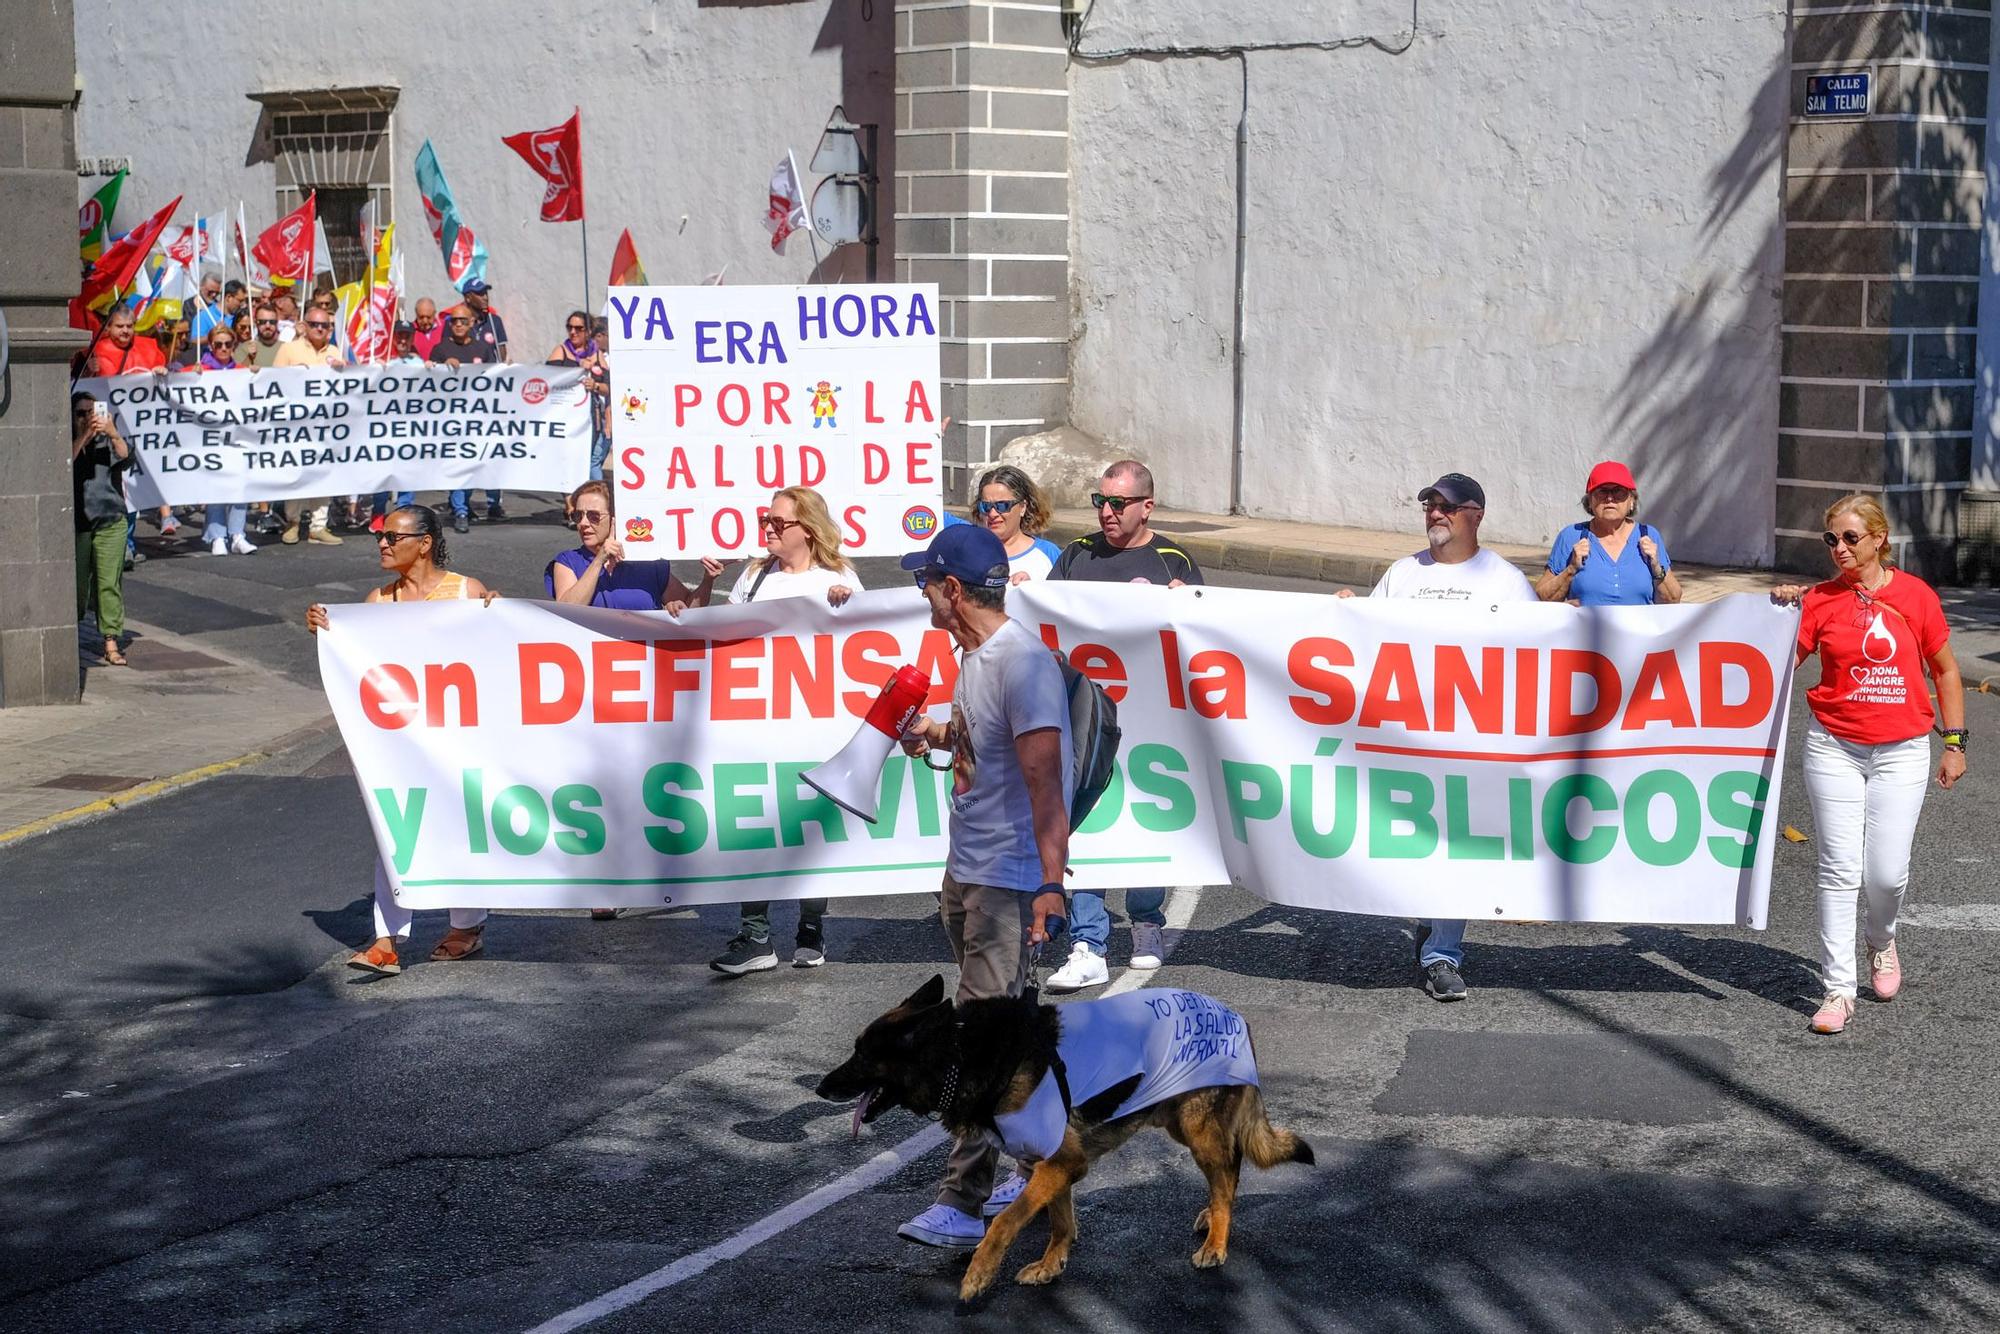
634,404
824,406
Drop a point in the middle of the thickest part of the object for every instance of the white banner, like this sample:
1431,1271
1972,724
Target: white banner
1518,761
228,436
722,395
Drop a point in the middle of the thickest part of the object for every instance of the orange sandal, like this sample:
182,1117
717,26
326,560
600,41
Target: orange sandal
114,656
457,944
378,958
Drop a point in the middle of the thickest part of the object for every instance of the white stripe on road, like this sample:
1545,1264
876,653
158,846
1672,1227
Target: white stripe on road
1179,910
882,1166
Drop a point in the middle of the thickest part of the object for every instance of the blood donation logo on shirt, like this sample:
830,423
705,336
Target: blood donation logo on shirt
919,522
1878,645
535,390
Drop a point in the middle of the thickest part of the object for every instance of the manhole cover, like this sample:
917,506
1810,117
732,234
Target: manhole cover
92,782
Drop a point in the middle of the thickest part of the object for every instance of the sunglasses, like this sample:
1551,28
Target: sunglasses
319,324
222,342
391,538
1612,493
1117,503
592,516
577,328
775,526
1002,506
1444,507
461,319
1833,540
261,323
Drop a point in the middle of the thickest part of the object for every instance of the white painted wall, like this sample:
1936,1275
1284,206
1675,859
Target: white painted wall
686,106
1550,233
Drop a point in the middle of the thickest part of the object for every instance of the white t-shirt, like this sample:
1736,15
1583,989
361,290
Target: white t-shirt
1007,686
1485,578
1175,1041
809,583
1037,561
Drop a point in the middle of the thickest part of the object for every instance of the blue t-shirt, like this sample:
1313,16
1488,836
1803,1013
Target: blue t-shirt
630,585
1604,582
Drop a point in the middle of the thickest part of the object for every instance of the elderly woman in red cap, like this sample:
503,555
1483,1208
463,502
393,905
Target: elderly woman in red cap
1610,559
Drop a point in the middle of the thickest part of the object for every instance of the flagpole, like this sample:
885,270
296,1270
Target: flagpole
584,222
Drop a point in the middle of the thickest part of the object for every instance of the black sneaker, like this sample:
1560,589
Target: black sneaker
1442,981
461,522
745,955
811,951
496,514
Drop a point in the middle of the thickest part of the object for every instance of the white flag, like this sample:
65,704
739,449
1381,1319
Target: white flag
322,252
786,212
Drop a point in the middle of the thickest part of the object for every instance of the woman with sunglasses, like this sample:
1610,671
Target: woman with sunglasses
802,559
1610,559
222,525
412,548
1876,629
580,348
1013,509
595,573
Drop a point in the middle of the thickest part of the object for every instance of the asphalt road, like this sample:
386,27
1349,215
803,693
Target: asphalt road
207,1123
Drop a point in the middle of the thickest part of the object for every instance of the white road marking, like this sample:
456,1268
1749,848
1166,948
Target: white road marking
878,1168
1178,910
1952,916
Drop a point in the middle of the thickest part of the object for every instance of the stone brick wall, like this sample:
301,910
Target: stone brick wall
982,208
38,275
1882,260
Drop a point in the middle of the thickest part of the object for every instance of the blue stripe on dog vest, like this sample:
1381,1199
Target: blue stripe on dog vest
1176,1040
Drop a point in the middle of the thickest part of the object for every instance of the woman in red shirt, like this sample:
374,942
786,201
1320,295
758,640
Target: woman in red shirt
1868,754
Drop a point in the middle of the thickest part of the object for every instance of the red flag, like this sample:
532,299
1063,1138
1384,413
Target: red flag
557,157
286,249
626,271
115,267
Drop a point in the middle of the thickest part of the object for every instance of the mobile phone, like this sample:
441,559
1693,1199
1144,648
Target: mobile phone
101,411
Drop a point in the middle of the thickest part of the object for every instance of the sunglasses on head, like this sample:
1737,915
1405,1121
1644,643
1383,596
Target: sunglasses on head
998,506
1833,539
1098,500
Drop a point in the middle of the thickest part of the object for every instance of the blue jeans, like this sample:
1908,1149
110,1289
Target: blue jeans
224,521
1091,924
600,450
461,501
381,504
1446,942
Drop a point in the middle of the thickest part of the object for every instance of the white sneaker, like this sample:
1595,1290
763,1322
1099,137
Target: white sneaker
942,1225
242,545
1084,969
218,547
1005,1194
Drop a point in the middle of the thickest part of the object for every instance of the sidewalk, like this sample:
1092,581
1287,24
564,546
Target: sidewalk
179,714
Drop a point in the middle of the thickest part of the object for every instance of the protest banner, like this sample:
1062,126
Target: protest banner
1520,761
722,395
229,436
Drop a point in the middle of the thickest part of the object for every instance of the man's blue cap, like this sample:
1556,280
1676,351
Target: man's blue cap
968,550
476,287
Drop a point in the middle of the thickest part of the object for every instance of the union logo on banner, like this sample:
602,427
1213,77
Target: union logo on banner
535,390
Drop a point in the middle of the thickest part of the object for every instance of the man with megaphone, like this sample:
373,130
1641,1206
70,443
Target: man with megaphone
1009,835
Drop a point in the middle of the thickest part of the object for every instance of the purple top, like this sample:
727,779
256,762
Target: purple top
631,585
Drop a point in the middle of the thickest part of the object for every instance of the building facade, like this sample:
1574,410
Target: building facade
1301,258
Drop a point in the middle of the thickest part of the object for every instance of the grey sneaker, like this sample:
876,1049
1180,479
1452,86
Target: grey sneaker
1442,981
745,955
811,951
1148,946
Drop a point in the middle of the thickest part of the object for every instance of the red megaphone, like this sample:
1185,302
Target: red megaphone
852,780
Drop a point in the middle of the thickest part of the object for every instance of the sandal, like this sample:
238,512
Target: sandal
114,656
379,957
458,944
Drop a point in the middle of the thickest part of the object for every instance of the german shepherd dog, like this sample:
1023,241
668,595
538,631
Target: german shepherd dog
968,1064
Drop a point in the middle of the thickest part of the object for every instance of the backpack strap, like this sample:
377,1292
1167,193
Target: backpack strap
758,582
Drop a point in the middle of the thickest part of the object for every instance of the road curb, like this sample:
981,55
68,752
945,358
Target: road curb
158,787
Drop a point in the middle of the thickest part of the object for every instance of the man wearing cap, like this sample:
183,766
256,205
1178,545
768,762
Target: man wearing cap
1011,784
1454,568
459,348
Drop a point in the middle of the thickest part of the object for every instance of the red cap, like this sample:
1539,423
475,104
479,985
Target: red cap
1610,474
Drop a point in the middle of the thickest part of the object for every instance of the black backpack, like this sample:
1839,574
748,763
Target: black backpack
1093,736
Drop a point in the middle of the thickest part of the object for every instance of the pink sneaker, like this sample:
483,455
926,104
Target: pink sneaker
1833,1013
1885,972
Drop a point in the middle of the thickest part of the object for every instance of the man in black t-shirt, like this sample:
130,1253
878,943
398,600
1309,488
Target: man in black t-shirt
1123,550
459,348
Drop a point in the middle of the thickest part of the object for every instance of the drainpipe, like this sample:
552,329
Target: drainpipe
1242,287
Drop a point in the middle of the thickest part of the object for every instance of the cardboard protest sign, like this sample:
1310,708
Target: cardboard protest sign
723,395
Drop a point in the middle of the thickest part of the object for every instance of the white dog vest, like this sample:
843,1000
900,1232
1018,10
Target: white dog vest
1174,1040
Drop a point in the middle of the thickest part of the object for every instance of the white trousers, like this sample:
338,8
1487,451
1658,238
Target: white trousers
1865,803
393,919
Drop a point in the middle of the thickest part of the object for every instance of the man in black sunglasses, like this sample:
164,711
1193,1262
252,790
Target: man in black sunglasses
1123,550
